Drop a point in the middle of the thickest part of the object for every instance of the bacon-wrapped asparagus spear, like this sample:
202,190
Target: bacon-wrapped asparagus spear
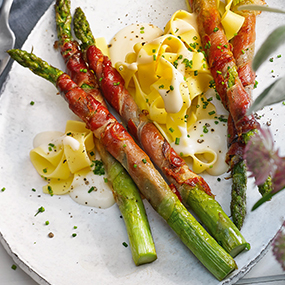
243,51
238,174
223,67
125,191
234,97
120,144
192,188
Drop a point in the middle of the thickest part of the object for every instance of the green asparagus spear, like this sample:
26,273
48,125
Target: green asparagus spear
132,208
207,209
164,201
125,192
243,46
238,207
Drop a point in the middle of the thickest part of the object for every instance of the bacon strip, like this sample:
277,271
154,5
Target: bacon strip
223,66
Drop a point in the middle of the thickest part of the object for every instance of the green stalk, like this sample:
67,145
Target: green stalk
239,185
207,209
164,201
63,21
266,187
210,212
36,65
125,191
132,208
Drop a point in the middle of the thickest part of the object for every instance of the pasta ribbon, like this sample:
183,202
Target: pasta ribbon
59,159
169,77
232,22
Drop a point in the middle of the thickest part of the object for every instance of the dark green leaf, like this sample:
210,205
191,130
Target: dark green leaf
273,41
273,94
260,8
262,200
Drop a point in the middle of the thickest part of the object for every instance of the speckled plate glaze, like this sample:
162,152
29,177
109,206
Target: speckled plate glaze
96,255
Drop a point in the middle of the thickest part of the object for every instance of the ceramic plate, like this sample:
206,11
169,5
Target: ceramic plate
96,255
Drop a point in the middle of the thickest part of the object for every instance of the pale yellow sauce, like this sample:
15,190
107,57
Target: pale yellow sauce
213,144
123,42
101,195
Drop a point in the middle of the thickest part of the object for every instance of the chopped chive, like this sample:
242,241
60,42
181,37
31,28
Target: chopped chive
255,84
177,141
50,190
91,189
40,210
14,266
99,167
205,129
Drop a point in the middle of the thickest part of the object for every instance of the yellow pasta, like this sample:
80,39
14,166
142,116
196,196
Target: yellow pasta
168,78
58,160
231,21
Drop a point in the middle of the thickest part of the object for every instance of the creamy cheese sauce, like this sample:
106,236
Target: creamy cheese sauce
124,41
44,138
171,94
87,188
206,136
73,143
91,190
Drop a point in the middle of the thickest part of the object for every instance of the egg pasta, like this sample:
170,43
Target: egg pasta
169,77
59,160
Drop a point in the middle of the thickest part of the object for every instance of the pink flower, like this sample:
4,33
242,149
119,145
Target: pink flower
278,247
261,158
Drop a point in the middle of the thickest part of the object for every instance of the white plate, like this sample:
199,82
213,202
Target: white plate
96,254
